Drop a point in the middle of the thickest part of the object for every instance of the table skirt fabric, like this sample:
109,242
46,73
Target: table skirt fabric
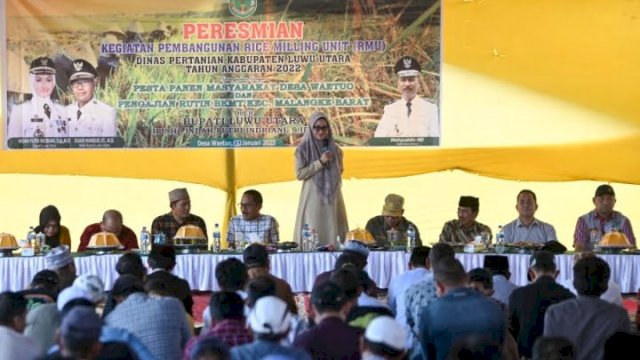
300,269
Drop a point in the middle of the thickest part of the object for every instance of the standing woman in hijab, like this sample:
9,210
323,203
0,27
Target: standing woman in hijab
50,226
40,116
319,167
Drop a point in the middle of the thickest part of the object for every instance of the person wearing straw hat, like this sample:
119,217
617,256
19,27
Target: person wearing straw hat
108,63
88,117
41,116
390,220
319,166
160,33
411,116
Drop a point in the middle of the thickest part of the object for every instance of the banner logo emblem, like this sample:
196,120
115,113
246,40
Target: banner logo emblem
243,8
77,65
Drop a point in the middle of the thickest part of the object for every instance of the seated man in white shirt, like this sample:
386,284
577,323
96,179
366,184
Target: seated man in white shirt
526,227
613,294
251,226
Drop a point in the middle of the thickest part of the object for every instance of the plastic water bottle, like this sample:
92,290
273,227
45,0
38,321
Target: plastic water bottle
31,235
306,238
215,247
500,240
145,240
411,238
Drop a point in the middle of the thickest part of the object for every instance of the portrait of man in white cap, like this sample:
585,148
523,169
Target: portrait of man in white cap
88,117
411,116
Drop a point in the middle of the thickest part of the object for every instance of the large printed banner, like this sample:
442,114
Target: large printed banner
214,73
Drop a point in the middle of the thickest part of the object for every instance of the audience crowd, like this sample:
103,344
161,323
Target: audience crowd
436,311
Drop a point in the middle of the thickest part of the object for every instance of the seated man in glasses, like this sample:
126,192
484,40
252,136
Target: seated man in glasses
250,225
88,117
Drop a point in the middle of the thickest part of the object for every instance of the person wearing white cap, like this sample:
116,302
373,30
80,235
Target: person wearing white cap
59,260
270,322
41,116
88,117
411,116
383,339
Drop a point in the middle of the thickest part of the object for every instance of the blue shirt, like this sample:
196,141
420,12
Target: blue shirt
502,288
260,348
459,312
396,296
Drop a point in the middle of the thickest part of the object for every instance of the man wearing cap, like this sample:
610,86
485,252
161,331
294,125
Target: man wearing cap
111,222
270,321
180,215
411,116
383,339
88,117
13,312
253,226
528,304
465,228
602,220
59,260
391,220
498,265
331,338
40,116
526,227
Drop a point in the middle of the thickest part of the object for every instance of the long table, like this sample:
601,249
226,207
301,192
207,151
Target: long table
300,269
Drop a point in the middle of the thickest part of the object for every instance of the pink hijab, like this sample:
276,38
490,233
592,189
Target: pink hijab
310,149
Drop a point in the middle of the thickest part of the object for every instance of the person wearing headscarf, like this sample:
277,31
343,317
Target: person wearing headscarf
40,116
49,225
319,167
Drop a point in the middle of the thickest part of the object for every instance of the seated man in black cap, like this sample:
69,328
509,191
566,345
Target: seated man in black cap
382,226
88,117
603,219
498,265
411,116
465,228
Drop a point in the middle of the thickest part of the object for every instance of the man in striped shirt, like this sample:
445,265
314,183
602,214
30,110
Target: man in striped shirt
251,226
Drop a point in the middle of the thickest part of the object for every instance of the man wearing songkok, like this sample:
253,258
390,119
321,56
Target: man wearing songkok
270,322
465,228
587,320
419,295
13,313
111,222
391,220
331,338
180,215
252,226
528,304
457,312
158,322
498,265
411,116
419,270
162,261
613,294
383,339
526,227
88,117
59,260
600,221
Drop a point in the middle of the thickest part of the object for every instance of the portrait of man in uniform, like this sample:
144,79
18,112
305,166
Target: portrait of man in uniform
411,116
88,117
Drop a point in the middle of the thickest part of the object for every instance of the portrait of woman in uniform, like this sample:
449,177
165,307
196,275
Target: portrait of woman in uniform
40,116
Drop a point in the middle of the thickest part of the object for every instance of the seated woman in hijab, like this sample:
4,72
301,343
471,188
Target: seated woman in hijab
50,226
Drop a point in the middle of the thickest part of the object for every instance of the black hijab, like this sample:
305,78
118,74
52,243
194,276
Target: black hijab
47,214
